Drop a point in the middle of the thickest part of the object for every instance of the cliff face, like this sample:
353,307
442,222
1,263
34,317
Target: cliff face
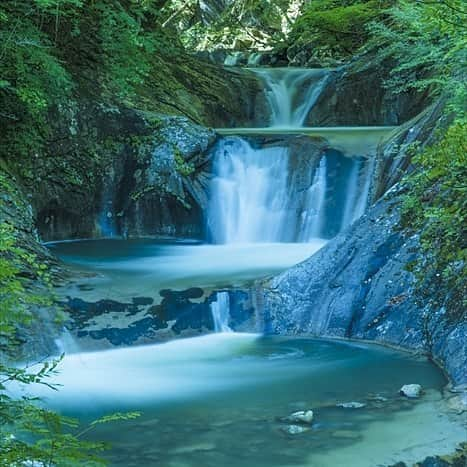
150,181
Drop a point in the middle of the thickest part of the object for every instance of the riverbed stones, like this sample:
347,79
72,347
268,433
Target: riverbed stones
295,429
203,446
300,417
457,403
351,405
412,391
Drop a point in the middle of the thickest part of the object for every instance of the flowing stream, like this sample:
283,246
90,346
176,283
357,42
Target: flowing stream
277,195
291,93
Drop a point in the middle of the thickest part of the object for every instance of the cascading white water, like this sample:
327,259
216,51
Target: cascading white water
249,193
312,216
259,195
66,343
291,93
220,311
358,187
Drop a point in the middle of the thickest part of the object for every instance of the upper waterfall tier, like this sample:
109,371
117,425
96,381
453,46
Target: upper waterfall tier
291,93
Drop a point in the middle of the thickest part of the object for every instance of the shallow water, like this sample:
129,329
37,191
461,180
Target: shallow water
131,268
215,400
350,141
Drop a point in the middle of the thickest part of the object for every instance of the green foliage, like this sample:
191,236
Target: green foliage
53,50
336,28
32,78
428,43
242,25
437,206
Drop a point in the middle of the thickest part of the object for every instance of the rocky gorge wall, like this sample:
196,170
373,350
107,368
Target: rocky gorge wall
115,170
129,172
361,285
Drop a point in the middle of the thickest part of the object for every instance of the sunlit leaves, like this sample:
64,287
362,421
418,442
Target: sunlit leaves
335,27
428,41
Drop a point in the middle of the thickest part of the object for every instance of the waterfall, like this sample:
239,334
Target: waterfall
261,194
358,188
312,216
66,343
267,188
291,93
249,193
233,58
220,311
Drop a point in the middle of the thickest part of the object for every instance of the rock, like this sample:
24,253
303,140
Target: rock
351,405
346,102
457,403
412,391
302,416
295,429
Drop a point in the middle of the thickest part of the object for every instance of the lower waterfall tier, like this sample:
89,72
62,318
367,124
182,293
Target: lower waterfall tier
280,189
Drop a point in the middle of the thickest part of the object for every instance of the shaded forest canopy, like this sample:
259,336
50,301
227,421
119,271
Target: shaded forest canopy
141,54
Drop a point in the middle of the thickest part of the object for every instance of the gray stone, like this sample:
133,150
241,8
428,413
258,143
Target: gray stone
411,391
346,434
457,403
194,448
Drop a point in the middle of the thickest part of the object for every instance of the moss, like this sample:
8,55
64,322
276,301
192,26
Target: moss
183,167
335,28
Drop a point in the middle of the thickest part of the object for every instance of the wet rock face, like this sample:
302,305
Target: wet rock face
357,286
458,459
356,96
164,189
154,184
394,156
180,314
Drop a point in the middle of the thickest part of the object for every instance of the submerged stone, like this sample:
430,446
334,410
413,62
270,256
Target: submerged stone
411,390
347,434
351,405
295,429
301,416
194,448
